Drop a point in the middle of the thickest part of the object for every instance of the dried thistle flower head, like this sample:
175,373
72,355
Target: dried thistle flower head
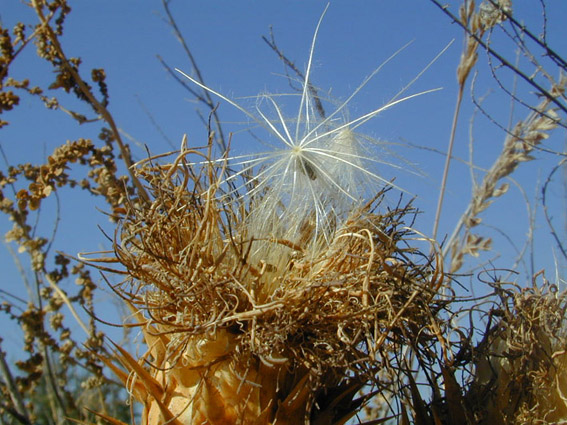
234,339
277,300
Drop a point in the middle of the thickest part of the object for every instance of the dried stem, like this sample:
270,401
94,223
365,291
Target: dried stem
526,136
21,413
448,158
205,97
501,59
288,63
560,243
466,64
97,106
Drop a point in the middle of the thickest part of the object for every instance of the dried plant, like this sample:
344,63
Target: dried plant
233,338
236,338
273,294
522,140
286,291
521,376
43,384
518,147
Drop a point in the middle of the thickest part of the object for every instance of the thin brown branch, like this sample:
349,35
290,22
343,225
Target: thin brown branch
548,218
205,97
508,132
511,93
523,29
502,60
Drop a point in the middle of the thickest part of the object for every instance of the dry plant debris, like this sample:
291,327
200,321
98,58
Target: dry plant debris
235,339
242,327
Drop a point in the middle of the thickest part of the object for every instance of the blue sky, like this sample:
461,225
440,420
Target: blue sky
225,37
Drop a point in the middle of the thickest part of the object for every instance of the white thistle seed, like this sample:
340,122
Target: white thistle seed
305,190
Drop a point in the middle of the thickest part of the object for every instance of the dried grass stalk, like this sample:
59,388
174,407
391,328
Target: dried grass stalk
526,136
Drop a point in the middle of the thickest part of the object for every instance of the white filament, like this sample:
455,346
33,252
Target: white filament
304,191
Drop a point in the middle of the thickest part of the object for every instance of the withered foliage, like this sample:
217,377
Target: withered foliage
235,339
521,363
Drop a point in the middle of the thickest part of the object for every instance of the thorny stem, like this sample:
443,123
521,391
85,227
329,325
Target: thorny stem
97,106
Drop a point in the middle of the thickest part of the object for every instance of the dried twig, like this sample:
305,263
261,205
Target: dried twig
560,242
204,96
478,39
291,65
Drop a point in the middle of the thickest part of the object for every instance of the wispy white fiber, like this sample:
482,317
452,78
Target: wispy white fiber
303,191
